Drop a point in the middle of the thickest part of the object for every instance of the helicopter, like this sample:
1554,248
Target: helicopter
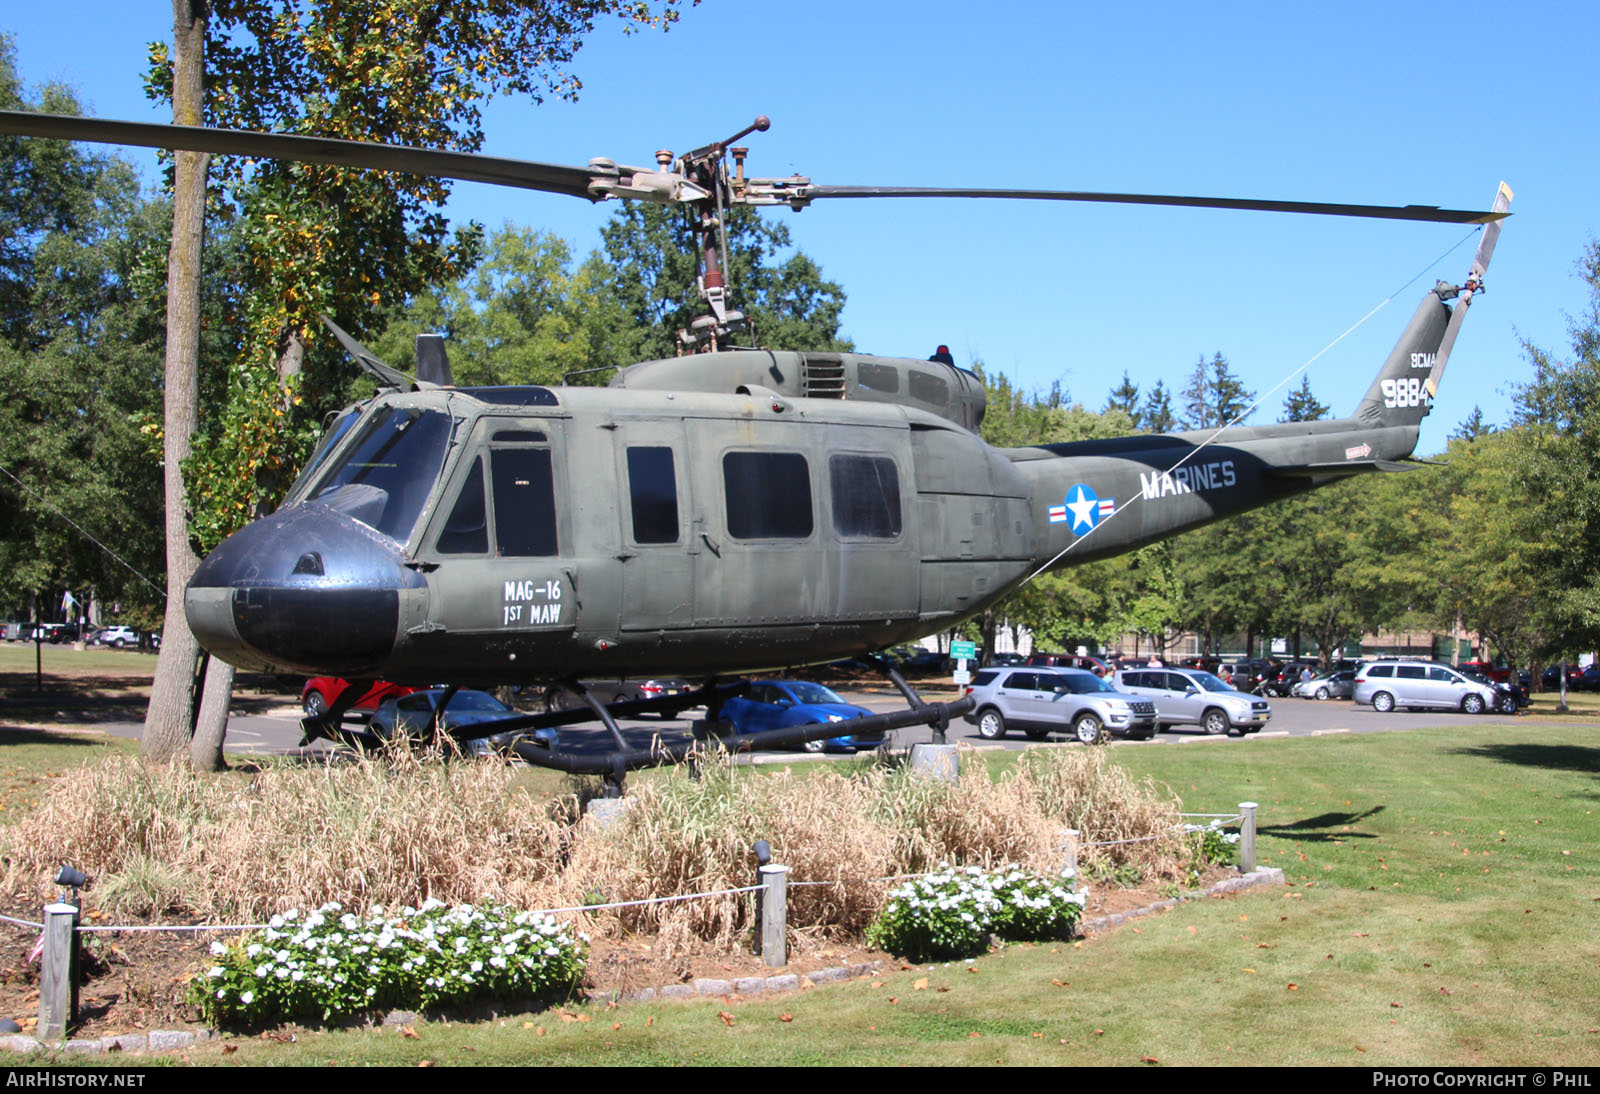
729,510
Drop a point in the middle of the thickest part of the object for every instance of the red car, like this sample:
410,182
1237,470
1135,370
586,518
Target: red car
320,692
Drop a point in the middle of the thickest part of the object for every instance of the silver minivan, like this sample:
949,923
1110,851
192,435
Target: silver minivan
1389,684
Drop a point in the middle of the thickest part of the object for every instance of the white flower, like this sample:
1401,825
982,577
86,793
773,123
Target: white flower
247,998
218,948
216,971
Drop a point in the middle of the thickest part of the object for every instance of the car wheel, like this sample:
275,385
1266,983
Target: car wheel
119,642
1473,704
991,724
1508,704
815,746
316,706
1089,729
1322,695
1215,722
1383,702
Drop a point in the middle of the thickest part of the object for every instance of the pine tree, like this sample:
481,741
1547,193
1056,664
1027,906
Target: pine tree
1157,416
1302,406
1214,397
1125,397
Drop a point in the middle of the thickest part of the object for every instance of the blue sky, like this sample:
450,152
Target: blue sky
1358,102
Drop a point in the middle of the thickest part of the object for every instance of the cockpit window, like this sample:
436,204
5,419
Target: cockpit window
467,530
330,439
384,478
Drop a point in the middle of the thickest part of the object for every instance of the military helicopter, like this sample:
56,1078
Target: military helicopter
725,511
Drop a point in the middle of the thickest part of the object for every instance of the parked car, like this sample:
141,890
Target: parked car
617,691
117,637
1390,684
1192,697
778,704
1328,685
1509,697
319,693
1042,700
410,714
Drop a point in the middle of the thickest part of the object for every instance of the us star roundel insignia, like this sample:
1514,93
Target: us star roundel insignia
1083,509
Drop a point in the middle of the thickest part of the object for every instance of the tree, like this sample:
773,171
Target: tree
1472,427
1157,414
1214,397
324,239
650,254
80,364
1554,471
1125,398
1302,406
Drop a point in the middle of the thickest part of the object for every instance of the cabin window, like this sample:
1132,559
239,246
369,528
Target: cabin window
524,502
768,495
653,491
467,530
885,378
386,475
866,496
929,388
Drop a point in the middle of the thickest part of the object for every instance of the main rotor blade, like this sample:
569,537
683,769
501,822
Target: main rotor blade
526,174
1384,212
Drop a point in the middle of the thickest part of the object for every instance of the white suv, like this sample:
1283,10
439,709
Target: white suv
1038,700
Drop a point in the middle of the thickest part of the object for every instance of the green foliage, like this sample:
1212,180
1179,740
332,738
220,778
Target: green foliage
953,913
1209,845
1214,397
650,270
1125,398
1302,406
334,964
81,343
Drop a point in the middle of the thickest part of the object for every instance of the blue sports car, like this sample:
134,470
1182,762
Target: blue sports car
778,704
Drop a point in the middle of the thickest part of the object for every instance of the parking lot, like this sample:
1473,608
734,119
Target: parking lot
279,732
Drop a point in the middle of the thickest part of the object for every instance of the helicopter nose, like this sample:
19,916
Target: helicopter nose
306,589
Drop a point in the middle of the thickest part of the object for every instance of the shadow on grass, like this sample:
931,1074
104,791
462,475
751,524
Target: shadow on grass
14,736
1322,828
1579,758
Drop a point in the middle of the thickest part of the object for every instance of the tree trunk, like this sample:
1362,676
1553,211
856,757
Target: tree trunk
205,751
168,721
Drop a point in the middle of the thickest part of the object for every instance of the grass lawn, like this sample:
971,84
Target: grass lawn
1441,909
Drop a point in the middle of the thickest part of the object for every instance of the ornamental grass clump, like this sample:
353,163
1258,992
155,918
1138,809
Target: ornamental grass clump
953,913
334,964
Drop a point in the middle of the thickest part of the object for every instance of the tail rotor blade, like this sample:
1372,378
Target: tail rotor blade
1480,266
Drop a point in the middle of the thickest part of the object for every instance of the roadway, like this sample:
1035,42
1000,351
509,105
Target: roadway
277,731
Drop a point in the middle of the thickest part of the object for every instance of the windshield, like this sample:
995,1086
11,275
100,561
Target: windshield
474,700
335,432
1206,682
812,693
1085,685
386,475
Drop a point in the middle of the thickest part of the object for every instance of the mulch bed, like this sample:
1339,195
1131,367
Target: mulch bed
136,982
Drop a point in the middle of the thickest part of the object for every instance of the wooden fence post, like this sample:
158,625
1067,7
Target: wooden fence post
58,972
1069,849
1247,837
774,915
